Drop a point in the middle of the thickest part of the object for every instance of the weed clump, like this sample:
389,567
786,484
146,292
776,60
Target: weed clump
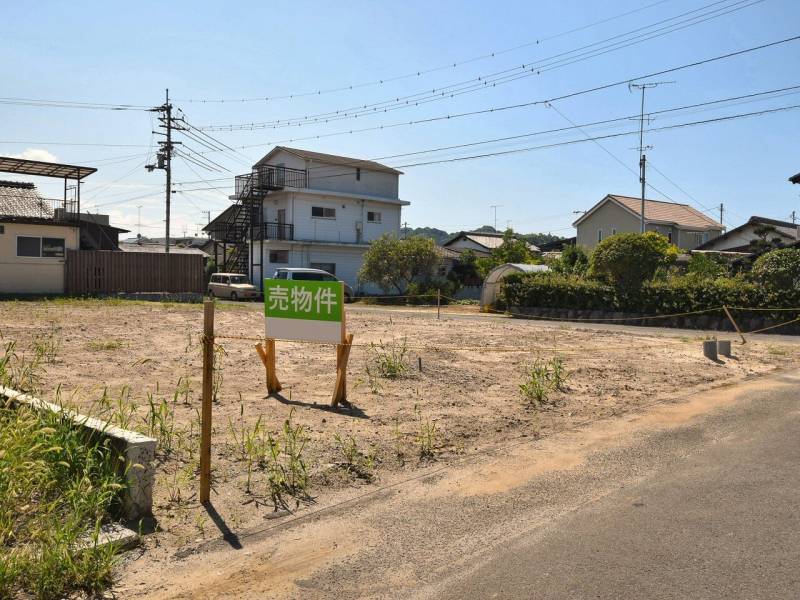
57,487
541,378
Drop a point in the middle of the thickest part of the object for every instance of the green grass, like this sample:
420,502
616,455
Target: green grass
57,486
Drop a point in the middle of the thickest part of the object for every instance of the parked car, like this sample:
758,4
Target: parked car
232,285
298,274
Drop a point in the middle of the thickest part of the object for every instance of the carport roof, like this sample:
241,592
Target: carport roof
24,166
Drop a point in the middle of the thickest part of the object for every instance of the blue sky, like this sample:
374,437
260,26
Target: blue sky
129,52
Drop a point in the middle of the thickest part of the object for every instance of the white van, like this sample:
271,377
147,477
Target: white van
299,274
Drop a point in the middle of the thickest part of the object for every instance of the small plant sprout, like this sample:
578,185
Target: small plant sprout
426,437
356,462
388,360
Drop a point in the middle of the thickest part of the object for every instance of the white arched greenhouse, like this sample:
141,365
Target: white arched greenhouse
491,284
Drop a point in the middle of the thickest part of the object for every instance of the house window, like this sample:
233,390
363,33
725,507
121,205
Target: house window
373,217
279,256
53,248
320,212
614,231
358,174
669,236
599,235
29,246
2,229
329,267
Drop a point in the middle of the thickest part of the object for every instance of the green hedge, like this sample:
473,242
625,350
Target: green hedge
675,295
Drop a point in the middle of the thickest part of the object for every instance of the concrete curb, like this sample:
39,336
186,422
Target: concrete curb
137,451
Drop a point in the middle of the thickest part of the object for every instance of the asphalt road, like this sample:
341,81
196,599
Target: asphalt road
723,522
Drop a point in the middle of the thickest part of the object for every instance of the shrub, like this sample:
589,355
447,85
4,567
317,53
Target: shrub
670,296
573,261
629,259
778,269
704,266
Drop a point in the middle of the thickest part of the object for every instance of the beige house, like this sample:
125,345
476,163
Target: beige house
33,244
686,227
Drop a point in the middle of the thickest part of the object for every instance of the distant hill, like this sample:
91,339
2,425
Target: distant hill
437,235
440,236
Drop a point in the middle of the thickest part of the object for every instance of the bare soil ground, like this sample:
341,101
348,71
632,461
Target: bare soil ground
117,357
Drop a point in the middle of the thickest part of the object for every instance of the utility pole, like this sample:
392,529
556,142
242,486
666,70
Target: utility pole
207,213
794,218
139,221
721,212
642,148
164,156
494,207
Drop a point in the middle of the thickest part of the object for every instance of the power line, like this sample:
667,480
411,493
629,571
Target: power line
70,104
623,163
579,92
99,145
564,143
622,119
791,89
420,72
483,81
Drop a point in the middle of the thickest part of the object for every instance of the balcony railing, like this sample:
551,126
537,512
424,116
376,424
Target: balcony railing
266,178
278,231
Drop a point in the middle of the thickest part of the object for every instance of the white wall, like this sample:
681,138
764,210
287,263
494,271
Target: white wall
342,229
347,260
30,275
340,178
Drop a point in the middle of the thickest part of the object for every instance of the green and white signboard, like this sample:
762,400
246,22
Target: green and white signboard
304,310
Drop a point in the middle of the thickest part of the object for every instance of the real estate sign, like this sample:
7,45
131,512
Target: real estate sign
304,310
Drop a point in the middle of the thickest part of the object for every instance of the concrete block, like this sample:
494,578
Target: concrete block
137,451
710,349
724,347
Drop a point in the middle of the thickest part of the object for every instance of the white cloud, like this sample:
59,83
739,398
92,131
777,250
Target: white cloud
36,154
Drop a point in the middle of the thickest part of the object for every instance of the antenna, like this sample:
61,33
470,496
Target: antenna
642,158
494,208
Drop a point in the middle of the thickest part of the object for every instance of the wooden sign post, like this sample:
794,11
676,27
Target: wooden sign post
311,311
205,423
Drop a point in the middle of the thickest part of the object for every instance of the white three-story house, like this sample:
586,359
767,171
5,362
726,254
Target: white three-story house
298,208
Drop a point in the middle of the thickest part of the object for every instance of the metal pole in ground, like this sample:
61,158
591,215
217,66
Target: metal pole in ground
205,426
438,304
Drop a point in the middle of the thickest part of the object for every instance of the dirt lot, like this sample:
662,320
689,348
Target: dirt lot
116,358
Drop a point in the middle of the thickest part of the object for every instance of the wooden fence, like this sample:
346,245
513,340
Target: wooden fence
104,272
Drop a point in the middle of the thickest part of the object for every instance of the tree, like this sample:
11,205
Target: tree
393,264
573,261
465,269
778,269
763,244
629,259
512,250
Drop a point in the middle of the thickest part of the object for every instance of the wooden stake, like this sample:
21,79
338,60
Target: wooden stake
438,304
208,377
342,356
739,331
267,355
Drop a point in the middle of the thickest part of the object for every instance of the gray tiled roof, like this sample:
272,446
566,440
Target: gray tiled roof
19,199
